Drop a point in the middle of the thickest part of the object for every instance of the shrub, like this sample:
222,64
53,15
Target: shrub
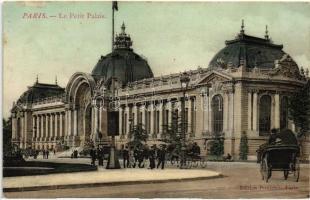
217,147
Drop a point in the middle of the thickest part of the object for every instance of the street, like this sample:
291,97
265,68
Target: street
241,180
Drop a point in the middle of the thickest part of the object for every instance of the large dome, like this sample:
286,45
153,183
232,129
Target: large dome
123,63
253,51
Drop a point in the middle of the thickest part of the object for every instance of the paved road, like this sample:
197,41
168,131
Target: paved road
242,180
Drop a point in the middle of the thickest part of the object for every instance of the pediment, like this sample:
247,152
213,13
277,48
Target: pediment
214,77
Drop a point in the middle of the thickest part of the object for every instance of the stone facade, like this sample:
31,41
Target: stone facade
81,112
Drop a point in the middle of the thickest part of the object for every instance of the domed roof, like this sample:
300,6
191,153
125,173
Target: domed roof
123,62
40,91
252,51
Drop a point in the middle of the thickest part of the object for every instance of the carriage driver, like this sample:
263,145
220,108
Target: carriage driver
195,150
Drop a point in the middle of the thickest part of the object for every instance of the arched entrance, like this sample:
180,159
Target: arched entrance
84,113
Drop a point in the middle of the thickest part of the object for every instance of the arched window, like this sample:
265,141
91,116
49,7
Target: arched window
264,115
217,114
284,113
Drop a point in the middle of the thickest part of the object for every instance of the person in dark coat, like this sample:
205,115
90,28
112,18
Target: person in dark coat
161,156
196,150
47,152
43,152
140,157
136,156
126,157
93,156
152,157
100,156
273,136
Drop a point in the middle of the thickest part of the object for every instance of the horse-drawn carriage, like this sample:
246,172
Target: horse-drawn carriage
192,159
282,155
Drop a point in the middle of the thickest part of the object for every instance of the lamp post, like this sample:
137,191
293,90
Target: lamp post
98,102
184,79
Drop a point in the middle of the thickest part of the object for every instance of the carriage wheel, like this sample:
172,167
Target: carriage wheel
203,163
285,172
188,162
296,170
266,170
262,169
195,163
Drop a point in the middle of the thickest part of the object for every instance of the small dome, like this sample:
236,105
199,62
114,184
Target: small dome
40,91
252,51
123,62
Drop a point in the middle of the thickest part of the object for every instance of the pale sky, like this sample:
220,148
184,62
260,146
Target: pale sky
172,36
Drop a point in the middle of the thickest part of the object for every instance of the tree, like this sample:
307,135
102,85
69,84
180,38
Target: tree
243,155
137,135
217,146
299,108
7,132
11,152
172,133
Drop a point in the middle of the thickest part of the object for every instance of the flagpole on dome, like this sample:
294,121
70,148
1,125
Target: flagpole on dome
113,162
114,7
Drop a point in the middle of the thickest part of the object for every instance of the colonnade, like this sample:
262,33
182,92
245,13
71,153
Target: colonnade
155,116
47,128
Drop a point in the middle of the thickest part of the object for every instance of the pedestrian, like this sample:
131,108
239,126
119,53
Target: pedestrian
152,157
161,157
131,158
93,156
126,157
43,152
140,157
75,153
146,150
47,152
100,157
54,151
136,156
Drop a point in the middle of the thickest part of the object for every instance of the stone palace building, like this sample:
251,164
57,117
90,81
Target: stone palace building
244,89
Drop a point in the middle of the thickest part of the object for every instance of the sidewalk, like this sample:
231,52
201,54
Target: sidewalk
103,177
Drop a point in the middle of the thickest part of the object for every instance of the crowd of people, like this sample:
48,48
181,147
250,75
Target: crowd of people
134,157
137,157
141,156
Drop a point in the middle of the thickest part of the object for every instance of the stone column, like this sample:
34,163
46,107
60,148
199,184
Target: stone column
25,129
96,123
93,120
14,126
142,108
100,118
135,111
60,124
56,125
225,112
169,106
255,113
47,134
42,119
38,127
120,121
160,107
34,133
152,118
75,129
189,116
232,127
69,122
127,120
249,110
52,133
277,111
